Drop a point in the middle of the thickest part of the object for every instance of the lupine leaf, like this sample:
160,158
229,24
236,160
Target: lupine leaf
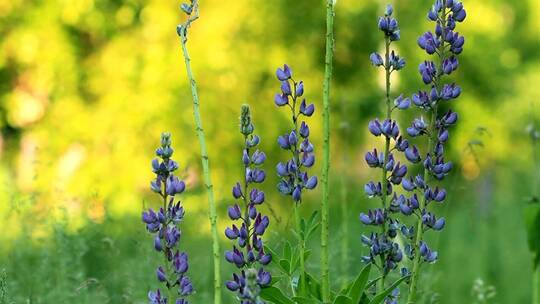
359,285
295,260
285,265
303,229
381,296
272,252
307,254
275,296
365,299
301,300
275,279
313,286
341,299
287,251
313,217
532,222
312,224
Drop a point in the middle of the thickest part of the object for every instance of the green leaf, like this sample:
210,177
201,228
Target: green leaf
301,300
313,286
276,279
312,230
307,254
359,285
295,261
275,256
341,299
531,214
287,251
381,296
311,225
285,265
275,296
313,217
303,229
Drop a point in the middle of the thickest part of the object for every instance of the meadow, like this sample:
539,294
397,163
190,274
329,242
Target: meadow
87,87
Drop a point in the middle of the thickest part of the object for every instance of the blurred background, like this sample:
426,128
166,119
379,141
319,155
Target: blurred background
87,86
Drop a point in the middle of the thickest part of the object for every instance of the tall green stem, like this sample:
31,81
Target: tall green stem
204,154
326,149
384,177
302,277
419,230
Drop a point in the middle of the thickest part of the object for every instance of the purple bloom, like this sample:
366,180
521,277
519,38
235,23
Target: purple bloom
445,43
402,103
252,224
293,177
284,74
164,224
376,59
156,297
306,109
383,250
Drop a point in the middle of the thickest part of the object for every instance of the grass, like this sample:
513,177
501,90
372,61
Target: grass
112,262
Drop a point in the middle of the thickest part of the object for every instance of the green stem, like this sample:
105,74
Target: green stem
326,150
165,258
302,277
204,156
384,177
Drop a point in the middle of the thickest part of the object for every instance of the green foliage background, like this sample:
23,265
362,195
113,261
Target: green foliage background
86,87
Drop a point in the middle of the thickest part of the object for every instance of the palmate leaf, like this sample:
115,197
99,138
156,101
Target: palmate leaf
274,295
341,299
532,222
313,286
381,296
300,300
358,287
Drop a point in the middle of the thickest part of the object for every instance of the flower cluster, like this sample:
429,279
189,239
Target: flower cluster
445,43
381,244
293,178
164,224
250,251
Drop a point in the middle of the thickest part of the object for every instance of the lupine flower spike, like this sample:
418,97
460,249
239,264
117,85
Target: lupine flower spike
385,252
294,179
164,225
249,257
445,43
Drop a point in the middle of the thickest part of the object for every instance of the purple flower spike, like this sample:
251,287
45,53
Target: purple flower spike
445,43
292,173
248,251
164,224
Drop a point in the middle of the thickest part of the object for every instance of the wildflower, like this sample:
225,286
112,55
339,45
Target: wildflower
445,44
249,256
384,251
164,224
294,179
